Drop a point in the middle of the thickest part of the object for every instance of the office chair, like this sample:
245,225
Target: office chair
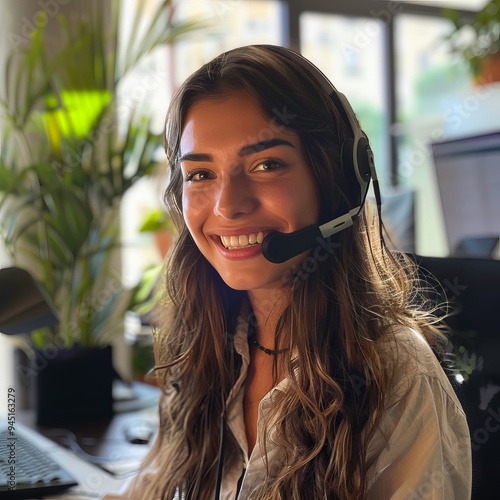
472,287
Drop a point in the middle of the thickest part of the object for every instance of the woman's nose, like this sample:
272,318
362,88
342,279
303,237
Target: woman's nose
235,196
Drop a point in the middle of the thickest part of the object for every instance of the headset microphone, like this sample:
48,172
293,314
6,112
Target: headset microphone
357,164
280,247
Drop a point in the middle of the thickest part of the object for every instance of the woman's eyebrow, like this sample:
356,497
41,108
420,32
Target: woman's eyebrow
262,145
196,157
244,151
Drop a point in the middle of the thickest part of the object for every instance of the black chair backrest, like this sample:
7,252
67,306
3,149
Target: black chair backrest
472,287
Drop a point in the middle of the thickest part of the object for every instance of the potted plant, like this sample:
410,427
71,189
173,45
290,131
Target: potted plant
69,154
477,38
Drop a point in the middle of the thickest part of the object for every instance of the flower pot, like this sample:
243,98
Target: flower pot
72,385
489,69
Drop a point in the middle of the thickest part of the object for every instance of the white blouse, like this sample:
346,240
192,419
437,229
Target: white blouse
421,448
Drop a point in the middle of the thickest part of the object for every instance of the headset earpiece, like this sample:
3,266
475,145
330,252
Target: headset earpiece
365,160
364,167
350,184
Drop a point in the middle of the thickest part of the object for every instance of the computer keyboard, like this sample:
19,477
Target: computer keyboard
26,471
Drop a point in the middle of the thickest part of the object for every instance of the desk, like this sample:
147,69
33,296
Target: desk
97,454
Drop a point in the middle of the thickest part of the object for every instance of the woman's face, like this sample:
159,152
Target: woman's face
244,176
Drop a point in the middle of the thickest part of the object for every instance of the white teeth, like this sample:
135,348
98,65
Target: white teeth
242,241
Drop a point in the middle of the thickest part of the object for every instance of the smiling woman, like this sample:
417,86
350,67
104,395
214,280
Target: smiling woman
314,375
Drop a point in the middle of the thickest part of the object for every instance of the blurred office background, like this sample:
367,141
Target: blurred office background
390,58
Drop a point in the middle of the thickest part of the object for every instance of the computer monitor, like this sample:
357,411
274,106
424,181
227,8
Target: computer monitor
468,176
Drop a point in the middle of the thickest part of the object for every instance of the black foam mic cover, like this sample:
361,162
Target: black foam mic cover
279,247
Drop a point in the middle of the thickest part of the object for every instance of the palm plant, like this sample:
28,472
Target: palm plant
65,164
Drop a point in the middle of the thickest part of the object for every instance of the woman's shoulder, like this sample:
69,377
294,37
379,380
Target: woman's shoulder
412,361
421,441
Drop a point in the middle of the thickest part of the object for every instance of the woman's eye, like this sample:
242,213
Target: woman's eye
267,165
197,175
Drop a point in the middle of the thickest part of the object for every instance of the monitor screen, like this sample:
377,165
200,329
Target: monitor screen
468,176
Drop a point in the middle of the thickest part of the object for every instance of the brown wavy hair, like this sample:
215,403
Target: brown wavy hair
341,309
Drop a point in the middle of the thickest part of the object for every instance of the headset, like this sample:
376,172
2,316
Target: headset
357,162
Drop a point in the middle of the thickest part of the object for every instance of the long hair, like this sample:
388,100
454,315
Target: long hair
344,301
